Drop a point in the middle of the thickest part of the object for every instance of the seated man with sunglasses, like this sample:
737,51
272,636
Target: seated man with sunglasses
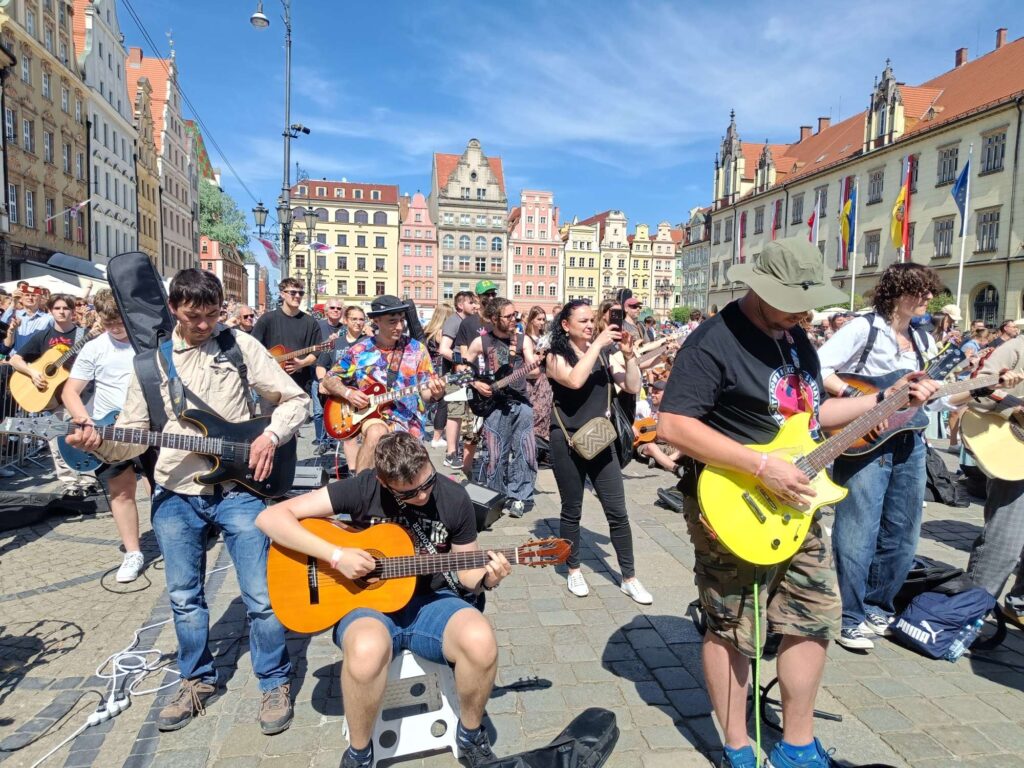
439,624
292,328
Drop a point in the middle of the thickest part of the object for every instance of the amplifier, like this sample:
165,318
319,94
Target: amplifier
487,503
308,479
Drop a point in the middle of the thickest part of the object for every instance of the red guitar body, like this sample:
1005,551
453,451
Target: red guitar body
342,420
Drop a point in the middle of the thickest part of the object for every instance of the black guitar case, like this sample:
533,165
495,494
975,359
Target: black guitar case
139,292
586,742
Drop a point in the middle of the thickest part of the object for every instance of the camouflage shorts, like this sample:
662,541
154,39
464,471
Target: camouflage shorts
801,595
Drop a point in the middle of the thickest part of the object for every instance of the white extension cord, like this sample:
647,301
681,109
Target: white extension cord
128,662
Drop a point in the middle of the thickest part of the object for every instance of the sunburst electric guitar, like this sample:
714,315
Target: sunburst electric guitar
750,520
309,596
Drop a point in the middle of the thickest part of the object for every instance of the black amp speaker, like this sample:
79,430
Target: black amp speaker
487,503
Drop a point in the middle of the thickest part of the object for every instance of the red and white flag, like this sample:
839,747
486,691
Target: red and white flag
812,222
272,253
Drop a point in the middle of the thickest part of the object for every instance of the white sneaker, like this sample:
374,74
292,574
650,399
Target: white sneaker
438,443
636,590
130,568
577,584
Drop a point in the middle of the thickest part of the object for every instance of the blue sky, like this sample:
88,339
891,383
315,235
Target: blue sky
609,104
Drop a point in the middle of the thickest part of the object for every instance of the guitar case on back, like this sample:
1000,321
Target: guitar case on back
139,292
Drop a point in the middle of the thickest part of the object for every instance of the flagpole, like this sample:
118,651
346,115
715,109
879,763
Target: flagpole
852,245
963,231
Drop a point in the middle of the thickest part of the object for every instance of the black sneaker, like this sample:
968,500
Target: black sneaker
477,750
453,460
349,760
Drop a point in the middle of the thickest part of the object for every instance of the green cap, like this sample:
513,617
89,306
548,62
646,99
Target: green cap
790,276
484,286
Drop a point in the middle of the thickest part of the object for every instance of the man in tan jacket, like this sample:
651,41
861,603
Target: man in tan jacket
184,511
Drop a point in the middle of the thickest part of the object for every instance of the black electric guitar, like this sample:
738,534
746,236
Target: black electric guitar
225,443
505,377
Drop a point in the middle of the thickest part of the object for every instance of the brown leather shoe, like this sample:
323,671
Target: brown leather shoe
276,710
189,700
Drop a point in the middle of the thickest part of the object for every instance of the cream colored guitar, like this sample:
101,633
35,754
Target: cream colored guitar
996,443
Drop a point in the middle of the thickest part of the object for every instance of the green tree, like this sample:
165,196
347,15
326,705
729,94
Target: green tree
938,302
681,314
219,217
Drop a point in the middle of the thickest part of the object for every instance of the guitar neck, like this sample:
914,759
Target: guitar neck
515,376
73,351
214,446
397,394
957,387
426,564
303,352
836,446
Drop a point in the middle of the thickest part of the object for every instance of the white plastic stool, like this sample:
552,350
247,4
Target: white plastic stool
420,710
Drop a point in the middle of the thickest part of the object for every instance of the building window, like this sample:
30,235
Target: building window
552,290
496,244
378,287
948,157
28,135
47,147
481,263
30,22
988,230
944,237
529,289
464,242
448,241
343,262
876,181
496,262
517,289
821,195
986,305
447,291
872,242
728,230
481,193
342,286
360,287
362,217
759,220
360,263
554,270
10,126
379,241
26,69
12,203
993,151
797,211
378,265
380,218
47,93
464,219
66,153
343,240
50,208
341,216
716,238
481,243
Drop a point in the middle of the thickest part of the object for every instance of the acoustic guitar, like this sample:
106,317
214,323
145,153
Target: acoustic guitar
225,443
282,354
995,442
51,365
343,420
645,431
750,520
309,596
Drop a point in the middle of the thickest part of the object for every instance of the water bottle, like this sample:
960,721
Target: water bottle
964,639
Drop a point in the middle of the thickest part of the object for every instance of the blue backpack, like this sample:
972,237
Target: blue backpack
933,619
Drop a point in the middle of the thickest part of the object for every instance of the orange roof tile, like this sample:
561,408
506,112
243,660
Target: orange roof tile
78,26
446,165
154,70
388,192
752,156
599,219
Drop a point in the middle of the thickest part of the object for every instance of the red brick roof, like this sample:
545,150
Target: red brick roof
78,26
388,192
154,70
446,165
752,156
599,219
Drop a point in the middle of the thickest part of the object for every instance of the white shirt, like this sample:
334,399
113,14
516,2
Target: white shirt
841,353
108,362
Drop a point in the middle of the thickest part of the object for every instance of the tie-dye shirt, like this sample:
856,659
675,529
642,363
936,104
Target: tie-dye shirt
364,360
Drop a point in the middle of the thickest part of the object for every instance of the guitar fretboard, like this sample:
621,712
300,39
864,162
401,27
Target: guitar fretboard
305,351
424,564
212,446
74,350
517,375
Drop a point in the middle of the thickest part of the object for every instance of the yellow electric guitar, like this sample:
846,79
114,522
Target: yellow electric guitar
750,520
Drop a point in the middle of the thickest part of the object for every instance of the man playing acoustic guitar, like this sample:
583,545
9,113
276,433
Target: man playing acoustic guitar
734,382
438,624
390,358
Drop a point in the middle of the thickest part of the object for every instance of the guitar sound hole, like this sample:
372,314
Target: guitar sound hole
372,581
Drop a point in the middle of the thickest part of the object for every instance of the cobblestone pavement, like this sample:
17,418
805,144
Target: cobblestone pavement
559,655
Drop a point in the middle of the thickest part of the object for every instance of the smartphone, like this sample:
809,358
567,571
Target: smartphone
615,317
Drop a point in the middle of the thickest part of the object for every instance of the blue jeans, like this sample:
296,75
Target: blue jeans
418,627
511,466
318,412
181,524
877,525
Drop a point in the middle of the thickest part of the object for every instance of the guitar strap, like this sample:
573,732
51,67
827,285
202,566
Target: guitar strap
395,362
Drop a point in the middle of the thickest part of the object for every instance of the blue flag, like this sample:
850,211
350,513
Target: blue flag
960,191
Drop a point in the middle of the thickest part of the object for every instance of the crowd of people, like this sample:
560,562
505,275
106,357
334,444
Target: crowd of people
584,390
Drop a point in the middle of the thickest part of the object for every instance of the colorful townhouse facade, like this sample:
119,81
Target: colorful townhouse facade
534,251
417,255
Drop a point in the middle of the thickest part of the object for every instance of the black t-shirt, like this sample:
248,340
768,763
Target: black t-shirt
46,339
578,406
447,518
497,352
297,332
472,327
326,329
737,380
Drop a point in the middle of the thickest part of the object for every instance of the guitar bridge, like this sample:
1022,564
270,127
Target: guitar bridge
313,579
754,508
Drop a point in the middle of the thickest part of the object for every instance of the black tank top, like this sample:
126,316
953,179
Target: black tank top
578,406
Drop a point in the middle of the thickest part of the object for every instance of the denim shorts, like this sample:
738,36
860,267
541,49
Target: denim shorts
419,627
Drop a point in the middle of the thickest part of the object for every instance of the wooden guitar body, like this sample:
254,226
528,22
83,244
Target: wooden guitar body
231,466
995,443
645,431
309,596
748,518
905,420
26,394
342,420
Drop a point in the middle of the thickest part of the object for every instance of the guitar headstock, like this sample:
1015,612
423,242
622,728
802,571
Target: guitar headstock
461,378
945,362
544,552
543,344
44,427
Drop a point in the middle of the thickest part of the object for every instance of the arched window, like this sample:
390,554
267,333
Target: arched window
464,243
323,215
495,243
379,217
298,213
481,243
362,217
448,241
986,304
341,216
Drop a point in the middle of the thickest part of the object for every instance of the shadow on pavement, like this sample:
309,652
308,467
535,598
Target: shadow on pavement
952,533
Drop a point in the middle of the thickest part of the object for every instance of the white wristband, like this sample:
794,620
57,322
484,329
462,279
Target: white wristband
273,438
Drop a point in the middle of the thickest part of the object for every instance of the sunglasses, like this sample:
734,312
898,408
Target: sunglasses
509,317
638,305
334,308
296,293
413,493
248,317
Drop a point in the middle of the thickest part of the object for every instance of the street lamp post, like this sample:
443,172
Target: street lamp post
310,217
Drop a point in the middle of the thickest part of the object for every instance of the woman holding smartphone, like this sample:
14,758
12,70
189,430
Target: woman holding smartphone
581,380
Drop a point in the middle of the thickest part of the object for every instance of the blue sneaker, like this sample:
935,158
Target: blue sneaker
739,758
820,759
